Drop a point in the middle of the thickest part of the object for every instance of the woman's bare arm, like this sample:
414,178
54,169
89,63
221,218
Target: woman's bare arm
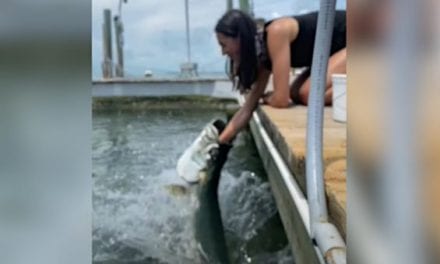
278,42
244,114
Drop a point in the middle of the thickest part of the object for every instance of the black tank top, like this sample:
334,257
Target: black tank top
301,49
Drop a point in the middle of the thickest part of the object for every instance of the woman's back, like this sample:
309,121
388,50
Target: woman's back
301,49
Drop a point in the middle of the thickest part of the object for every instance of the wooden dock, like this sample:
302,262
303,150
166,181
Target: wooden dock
287,129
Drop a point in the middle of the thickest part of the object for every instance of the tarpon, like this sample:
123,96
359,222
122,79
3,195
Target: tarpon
208,224
208,221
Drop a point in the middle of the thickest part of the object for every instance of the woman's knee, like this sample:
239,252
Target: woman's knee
303,93
337,64
297,85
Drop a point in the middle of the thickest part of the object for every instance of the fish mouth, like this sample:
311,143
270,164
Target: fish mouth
220,125
199,156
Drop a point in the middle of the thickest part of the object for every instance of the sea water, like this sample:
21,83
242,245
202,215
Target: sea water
136,219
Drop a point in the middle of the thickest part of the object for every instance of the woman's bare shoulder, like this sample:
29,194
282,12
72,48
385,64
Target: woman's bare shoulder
284,26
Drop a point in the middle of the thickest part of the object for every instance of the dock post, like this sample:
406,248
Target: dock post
247,7
188,69
107,62
119,29
229,5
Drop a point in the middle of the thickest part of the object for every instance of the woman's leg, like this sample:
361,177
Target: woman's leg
336,64
297,84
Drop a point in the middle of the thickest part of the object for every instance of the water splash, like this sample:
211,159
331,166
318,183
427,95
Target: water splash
246,203
137,219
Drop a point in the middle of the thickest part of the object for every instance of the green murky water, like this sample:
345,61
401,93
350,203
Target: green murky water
136,220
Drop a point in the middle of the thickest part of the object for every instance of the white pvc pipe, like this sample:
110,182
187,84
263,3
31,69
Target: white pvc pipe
330,243
314,160
326,235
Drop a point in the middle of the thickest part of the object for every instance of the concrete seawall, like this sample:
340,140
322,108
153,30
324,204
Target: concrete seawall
212,87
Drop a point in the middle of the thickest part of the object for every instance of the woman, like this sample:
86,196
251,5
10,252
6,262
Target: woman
283,43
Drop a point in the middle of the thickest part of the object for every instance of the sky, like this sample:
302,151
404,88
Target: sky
155,38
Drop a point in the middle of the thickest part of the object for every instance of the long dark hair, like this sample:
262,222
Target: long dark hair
237,24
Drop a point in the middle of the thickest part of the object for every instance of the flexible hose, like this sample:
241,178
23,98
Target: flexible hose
325,234
314,161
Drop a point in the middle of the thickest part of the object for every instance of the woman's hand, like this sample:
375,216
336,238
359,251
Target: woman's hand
271,99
